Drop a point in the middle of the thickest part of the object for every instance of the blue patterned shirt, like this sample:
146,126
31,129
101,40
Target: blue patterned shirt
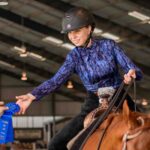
97,66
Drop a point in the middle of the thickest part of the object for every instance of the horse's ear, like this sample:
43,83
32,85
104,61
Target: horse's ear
126,110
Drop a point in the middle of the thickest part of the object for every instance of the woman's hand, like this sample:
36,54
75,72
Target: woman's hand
128,77
24,102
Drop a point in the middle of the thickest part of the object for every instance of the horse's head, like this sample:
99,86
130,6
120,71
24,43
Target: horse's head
138,135
127,129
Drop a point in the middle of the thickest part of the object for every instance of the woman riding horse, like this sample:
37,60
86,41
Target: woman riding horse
95,61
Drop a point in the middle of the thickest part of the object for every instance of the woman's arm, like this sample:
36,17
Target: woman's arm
127,65
48,86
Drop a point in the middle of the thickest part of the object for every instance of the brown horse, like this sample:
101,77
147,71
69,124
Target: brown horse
126,130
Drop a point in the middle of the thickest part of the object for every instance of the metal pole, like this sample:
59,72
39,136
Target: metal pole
53,113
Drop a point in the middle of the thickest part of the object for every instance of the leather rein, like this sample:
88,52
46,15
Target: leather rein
116,109
106,113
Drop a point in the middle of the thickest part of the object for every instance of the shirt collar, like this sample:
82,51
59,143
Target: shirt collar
92,47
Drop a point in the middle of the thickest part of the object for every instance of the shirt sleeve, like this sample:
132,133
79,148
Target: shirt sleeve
124,61
56,81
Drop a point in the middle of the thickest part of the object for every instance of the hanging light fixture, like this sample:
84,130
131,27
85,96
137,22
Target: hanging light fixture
24,76
21,50
69,85
23,47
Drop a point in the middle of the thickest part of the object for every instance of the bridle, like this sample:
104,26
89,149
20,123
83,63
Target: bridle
129,136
